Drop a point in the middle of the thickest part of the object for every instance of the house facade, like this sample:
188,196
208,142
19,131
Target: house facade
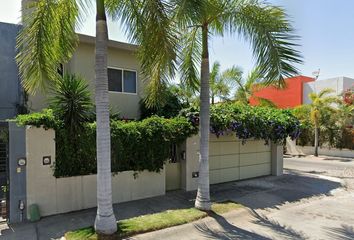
126,84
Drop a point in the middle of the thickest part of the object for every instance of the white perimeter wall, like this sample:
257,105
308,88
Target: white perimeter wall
59,195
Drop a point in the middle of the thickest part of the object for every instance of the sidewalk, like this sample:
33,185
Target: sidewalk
261,193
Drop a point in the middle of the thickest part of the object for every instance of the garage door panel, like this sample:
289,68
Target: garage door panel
255,171
227,148
229,161
214,162
248,147
229,174
264,157
247,159
214,176
214,148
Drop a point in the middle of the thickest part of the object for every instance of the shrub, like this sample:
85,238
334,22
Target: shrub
249,122
136,145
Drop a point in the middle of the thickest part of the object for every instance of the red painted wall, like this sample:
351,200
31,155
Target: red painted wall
289,97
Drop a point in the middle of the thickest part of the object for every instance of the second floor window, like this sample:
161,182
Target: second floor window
120,80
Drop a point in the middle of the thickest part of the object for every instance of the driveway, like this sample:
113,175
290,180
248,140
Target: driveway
312,200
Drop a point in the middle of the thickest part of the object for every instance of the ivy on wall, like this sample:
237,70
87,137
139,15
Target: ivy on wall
248,122
135,145
145,145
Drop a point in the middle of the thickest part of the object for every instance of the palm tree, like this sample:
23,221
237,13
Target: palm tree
271,37
222,83
248,87
320,103
48,38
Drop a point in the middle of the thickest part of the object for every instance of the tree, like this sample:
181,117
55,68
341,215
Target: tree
272,41
222,83
247,88
48,38
321,104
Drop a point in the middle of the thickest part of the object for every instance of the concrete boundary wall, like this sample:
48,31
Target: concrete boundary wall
309,150
60,195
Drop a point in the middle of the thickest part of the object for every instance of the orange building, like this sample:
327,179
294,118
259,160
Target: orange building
289,97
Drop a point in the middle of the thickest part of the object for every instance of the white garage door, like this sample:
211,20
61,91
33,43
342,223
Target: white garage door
230,160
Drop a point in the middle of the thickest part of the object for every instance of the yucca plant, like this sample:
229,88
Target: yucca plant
71,102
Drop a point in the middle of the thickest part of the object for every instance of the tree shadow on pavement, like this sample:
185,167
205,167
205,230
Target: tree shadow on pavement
345,232
284,231
228,231
272,192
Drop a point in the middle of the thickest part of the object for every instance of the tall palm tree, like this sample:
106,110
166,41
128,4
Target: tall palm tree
48,38
267,29
248,87
222,83
320,103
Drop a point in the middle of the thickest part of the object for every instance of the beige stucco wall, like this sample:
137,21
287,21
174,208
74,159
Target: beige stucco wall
59,195
230,160
83,64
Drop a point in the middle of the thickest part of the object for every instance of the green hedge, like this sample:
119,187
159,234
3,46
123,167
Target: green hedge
246,122
135,145
145,145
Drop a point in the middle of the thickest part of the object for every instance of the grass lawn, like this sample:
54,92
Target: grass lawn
152,222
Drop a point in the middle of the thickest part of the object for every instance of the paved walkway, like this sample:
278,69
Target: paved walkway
262,193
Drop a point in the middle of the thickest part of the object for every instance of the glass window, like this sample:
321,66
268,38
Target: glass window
129,81
114,80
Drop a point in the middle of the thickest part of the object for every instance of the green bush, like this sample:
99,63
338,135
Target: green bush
145,145
247,122
135,145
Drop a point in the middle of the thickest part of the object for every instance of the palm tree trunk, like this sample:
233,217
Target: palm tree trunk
212,99
203,195
105,222
316,141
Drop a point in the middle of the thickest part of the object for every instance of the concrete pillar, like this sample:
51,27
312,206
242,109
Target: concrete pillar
17,174
277,159
191,167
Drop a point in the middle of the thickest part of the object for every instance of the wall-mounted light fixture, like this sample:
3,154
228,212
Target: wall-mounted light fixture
47,160
21,162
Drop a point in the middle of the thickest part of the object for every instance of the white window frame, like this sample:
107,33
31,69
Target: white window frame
136,80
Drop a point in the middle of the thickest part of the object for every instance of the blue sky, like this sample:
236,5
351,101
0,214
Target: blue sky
326,28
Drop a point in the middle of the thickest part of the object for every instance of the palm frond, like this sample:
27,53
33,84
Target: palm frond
271,36
190,57
47,39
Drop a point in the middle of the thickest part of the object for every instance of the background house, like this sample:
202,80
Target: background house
289,97
298,88
338,84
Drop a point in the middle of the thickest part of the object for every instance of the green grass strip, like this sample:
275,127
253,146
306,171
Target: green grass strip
152,222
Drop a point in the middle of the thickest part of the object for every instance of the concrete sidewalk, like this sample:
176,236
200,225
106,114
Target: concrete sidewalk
260,193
